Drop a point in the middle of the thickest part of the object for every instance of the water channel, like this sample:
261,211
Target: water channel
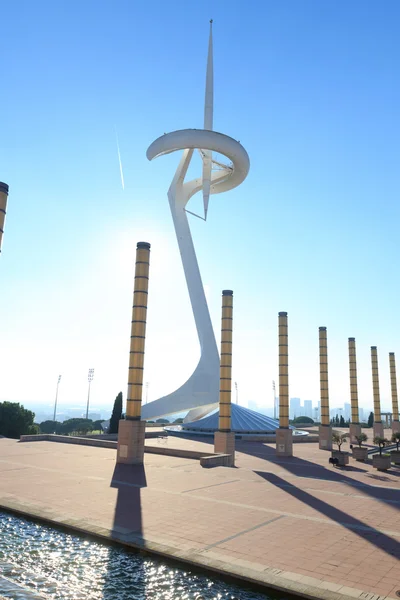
37,561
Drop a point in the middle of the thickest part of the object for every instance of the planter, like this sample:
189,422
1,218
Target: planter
343,457
395,457
360,454
382,463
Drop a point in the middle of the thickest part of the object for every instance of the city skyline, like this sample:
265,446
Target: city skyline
43,408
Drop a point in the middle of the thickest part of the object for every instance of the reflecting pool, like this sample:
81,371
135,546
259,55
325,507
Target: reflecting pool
37,561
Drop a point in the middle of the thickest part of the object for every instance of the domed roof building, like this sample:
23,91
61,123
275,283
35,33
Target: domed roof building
244,422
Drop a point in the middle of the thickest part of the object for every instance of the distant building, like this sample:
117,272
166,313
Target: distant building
94,416
347,411
295,408
336,412
307,410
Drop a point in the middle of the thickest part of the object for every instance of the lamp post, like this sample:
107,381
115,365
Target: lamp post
55,403
274,389
237,392
147,392
90,379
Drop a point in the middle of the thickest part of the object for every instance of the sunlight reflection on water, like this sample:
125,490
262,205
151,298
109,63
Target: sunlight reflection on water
61,566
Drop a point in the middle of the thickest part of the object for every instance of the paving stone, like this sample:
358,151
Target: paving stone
294,523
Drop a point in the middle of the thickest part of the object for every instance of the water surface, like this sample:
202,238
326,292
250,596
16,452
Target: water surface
63,566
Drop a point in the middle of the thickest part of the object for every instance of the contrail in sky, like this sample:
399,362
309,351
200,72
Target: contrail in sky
120,163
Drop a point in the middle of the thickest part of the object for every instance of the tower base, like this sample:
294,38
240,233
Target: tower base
131,434
284,442
355,429
395,426
224,443
325,437
378,430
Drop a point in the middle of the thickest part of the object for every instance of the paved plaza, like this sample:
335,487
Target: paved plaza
294,523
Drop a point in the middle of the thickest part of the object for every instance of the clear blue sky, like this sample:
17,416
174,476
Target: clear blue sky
310,88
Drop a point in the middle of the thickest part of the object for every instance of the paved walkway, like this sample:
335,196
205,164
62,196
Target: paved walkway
293,523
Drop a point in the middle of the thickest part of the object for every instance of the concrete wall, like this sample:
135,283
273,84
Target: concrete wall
68,439
85,441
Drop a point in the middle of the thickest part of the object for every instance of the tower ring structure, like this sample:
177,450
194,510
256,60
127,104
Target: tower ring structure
202,388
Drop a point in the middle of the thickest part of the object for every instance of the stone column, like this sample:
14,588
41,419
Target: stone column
378,425
395,404
325,429
284,440
224,439
355,427
3,208
131,433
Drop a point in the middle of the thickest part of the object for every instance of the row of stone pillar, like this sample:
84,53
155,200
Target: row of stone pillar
284,435
355,427
132,430
131,433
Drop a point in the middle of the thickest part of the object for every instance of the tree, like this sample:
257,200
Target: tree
180,420
15,420
339,438
396,439
303,420
97,425
84,427
50,427
162,421
371,419
381,442
337,420
361,438
342,422
116,414
76,426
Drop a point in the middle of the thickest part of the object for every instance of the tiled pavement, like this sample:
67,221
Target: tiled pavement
294,522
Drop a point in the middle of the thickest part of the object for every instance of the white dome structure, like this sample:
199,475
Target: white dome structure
243,420
244,423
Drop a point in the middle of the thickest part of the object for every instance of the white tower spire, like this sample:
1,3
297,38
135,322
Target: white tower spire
209,98
208,122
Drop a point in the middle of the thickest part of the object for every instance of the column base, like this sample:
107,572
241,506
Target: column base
355,429
224,443
131,434
378,430
325,437
284,442
395,426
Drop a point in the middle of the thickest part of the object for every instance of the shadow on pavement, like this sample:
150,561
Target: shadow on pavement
369,534
126,576
305,468
128,479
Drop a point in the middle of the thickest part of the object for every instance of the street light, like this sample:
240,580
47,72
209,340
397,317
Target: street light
237,392
147,391
273,387
90,379
55,403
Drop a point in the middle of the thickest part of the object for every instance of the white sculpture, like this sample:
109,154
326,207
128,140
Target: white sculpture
202,388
